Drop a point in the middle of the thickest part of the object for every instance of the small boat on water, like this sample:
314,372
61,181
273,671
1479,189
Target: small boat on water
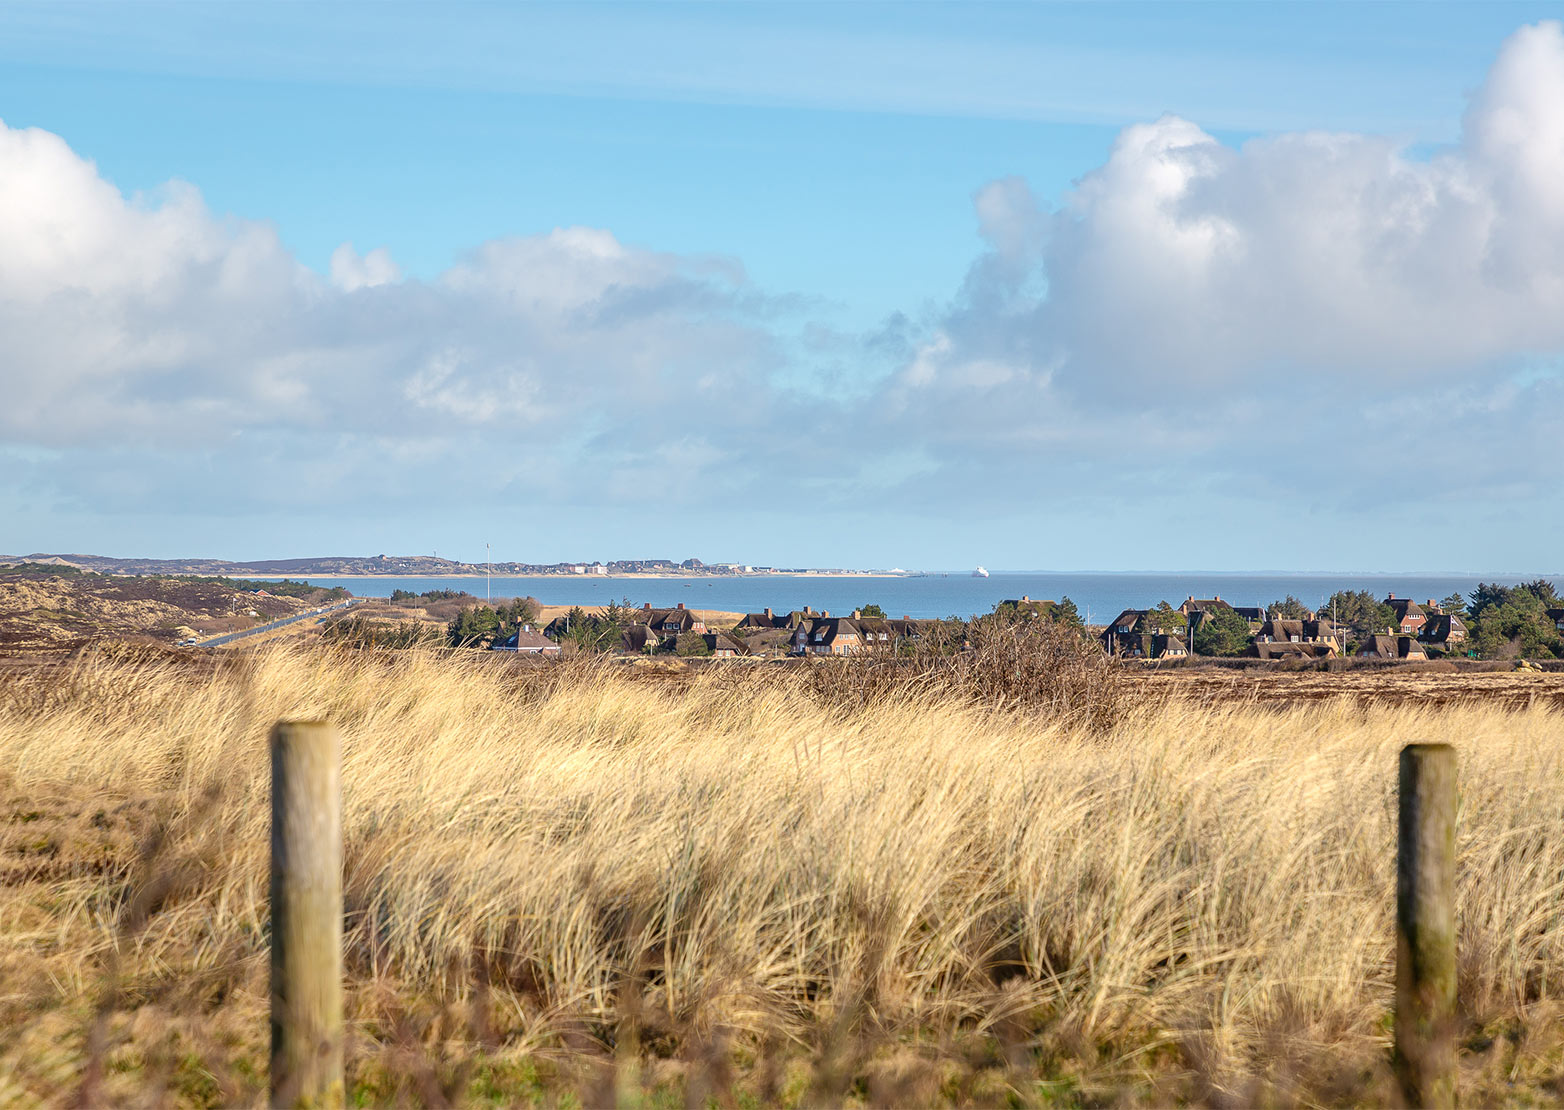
980,573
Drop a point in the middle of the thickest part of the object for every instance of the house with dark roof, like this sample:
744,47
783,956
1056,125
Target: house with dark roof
1443,631
1196,609
1557,617
828,635
906,627
1116,636
639,637
768,641
823,634
760,622
1152,645
1385,646
725,646
877,632
671,622
1410,616
1281,630
1287,650
527,642
835,636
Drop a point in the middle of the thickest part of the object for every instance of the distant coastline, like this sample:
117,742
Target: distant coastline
467,576
430,566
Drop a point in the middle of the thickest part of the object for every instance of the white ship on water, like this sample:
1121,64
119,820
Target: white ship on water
980,573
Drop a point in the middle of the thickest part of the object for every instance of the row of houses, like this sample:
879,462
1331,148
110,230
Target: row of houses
657,627
1129,634
1418,629
805,632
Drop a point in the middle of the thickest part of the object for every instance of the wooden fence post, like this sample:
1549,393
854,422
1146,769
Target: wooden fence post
1425,926
306,915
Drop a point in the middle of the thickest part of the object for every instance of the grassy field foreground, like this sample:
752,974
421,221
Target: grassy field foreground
571,885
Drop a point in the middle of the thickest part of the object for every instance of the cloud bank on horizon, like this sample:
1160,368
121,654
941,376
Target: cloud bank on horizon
1312,328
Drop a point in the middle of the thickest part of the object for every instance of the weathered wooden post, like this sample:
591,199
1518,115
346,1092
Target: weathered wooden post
306,906
1425,926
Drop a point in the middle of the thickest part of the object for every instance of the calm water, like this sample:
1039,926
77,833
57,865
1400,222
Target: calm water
1102,595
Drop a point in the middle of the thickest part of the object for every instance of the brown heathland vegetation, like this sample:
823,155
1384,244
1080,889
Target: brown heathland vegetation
44,615
572,884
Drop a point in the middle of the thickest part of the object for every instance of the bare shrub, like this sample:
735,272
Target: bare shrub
997,663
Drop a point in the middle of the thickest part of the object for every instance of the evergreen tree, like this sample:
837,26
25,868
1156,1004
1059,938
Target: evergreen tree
1289,608
1222,632
1166,619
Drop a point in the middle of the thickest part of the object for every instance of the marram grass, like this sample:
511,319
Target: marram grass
571,885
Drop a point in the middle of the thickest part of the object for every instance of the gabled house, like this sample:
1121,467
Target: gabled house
1196,609
639,637
1116,637
876,632
1193,605
671,622
1151,645
1410,616
1557,617
904,628
769,641
828,635
1385,646
760,622
834,636
527,642
1444,631
1282,630
725,646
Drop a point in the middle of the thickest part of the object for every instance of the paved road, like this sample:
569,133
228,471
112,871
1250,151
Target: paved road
219,641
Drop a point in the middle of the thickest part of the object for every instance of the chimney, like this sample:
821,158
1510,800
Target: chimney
857,613
681,605
1430,604
1392,597
825,612
768,613
1024,597
647,605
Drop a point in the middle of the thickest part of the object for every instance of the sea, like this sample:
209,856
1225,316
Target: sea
1099,597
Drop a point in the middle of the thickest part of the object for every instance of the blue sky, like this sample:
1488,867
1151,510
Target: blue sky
835,284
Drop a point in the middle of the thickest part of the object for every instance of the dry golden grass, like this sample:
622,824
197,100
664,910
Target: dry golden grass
565,884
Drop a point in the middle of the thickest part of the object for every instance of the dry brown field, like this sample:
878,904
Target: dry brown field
54,616
1424,684
579,884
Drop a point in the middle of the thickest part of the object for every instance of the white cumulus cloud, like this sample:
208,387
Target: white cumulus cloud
351,270
1182,263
